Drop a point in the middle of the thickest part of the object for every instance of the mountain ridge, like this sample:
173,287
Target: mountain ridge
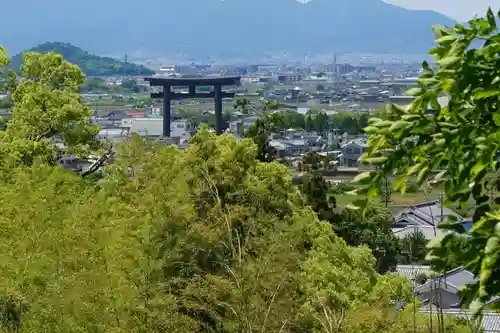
90,64
205,28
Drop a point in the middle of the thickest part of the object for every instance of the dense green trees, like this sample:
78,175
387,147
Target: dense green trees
207,239
260,133
372,230
47,116
320,122
461,138
98,86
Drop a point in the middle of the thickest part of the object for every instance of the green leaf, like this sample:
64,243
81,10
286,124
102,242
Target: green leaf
484,222
496,118
400,183
361,177
375,160
439,31
414,169
482,94
414,91
434,243
440,175
422,174
397,109
373,120
497,229
371,130
446,40
480,139
383,123
448,61
485,275
480,166
440,142
491,245
476,306
428,81
398,125
352,207
411,117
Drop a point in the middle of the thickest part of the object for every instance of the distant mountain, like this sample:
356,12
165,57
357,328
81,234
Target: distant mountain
90,64
220,28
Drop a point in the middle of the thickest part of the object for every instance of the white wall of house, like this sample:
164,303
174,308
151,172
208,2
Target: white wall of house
154,126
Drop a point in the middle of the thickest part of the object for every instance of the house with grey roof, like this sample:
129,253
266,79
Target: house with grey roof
414,273
240,126
352,151
429,213
295,143
429,232
425,217
290,147
488,323
440,293
443,291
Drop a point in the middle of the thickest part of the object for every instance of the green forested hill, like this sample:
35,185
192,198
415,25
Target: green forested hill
92,65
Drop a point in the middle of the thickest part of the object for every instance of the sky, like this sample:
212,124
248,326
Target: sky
461,10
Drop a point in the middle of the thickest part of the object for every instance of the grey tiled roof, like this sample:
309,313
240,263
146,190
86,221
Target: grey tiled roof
490,321
429,232
426,213
453,280
359,142
411,272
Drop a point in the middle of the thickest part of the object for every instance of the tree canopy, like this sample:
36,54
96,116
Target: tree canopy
206,240
46,112
210,239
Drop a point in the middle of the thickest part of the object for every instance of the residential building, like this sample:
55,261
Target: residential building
297,143
444,291
414,272
352,151
181,128
441,293
425,218
242,125
429,213
289,78
429,232
489,321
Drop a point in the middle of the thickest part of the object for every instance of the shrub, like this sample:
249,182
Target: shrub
341,188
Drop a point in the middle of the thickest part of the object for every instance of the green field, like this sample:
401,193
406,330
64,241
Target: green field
398,201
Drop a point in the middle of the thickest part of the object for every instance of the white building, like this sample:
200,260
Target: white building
154,127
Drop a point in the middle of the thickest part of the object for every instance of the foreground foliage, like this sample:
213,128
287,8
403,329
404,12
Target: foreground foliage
206,240
460,137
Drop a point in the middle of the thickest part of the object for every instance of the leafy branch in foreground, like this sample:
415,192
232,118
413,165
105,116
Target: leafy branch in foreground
450,135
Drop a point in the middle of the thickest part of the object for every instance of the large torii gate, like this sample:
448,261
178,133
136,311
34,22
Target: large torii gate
168,95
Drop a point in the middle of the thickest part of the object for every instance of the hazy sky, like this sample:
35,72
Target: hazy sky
458,9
